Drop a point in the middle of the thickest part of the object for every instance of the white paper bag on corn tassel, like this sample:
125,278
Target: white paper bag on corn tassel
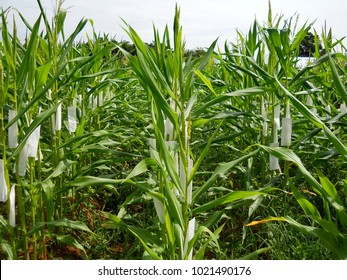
49,94
171,146
186,136
107,95
72,118
189,236
29,150
79,100
90,103
191,232
58,118
12,130
3,184
286,132
309,101
328,109
33,142
274,160
343,108
159,208
173,106
95,102
265,128
101,99
168,129
12,218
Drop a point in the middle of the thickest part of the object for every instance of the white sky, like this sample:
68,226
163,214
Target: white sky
203,21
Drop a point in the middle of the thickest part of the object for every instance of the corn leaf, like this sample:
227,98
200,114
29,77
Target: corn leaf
305,204
234,196
219,171
316,121
69,240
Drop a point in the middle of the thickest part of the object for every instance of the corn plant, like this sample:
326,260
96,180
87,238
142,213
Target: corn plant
36,80
169,79
329,230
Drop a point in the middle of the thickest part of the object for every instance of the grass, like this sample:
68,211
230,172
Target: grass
154,153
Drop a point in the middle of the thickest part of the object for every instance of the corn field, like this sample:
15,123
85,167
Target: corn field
236,153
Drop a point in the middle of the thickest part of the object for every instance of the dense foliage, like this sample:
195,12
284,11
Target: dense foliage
112,150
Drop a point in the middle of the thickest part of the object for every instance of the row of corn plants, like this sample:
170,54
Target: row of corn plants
54,91
301,122
169,80
173,156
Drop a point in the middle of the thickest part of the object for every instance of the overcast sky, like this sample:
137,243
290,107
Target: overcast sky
203,21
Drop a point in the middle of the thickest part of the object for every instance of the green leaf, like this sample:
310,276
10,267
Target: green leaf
203,154
60,168
69,240
174,207
48,193
207,56
326,190
7,45
28,66
63,222
85,181
225,96
315,120
6,248
329,187
221,169
336,246
340,86
329,226
306,205
168,160
4,224
42,74
275,40
214,218
333,198
213,236
140,168
255,254
205,80
289,155
37,121
145,237
234,196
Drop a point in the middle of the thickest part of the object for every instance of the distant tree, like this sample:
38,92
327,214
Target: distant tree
195,53
127,46
307,46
